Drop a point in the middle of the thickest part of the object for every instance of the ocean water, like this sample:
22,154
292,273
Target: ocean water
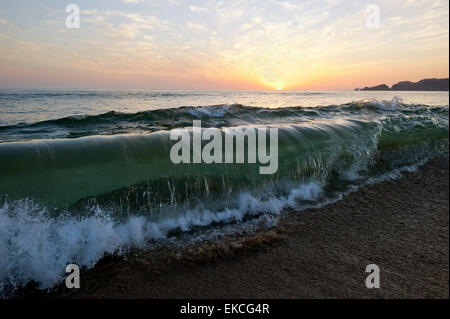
84,173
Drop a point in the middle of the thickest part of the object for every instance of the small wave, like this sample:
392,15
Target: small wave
210,111
395,103
113,122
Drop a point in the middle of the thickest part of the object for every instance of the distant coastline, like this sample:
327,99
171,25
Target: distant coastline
422,85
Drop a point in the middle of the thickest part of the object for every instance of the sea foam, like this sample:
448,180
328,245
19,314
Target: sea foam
36,247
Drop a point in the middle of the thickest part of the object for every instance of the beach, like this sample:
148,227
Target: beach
400,225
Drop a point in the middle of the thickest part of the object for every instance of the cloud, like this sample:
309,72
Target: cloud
133,1
196,26
197,9
271,42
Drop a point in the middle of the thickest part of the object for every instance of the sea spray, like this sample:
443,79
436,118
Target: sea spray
38,247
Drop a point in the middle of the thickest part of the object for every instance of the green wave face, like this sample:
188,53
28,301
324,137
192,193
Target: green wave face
335,146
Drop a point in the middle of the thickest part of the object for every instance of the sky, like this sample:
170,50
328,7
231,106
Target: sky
235,44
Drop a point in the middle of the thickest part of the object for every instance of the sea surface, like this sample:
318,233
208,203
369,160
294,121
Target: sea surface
85,173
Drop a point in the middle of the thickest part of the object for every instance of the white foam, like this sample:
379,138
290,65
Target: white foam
209,111
37,247
388,105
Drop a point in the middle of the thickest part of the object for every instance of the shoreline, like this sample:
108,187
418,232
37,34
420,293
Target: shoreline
401,225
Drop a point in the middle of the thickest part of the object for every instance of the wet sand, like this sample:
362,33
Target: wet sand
400,225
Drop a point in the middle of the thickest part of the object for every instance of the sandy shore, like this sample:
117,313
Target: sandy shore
400,225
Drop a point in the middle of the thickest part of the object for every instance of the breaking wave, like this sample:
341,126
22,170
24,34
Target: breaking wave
75,188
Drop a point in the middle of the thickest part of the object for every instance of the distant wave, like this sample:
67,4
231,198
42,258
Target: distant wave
113,122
